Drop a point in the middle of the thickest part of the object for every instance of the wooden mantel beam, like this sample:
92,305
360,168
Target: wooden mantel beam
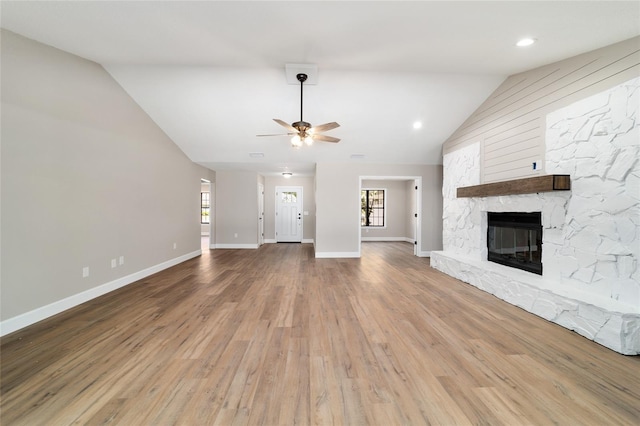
546,183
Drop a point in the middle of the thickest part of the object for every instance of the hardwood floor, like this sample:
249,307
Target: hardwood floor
276,337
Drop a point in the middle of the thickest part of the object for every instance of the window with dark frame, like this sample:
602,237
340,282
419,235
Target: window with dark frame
205,207
372,207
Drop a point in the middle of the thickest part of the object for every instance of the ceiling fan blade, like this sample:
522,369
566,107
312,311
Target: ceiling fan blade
286,125
278,134
323,127
325,138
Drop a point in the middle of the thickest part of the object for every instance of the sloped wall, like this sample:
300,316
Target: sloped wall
87,179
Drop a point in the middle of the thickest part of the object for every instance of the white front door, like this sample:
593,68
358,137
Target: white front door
289,214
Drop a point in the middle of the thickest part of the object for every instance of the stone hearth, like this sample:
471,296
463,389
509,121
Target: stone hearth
591,234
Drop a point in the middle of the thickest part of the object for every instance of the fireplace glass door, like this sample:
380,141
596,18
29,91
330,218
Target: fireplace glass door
515,239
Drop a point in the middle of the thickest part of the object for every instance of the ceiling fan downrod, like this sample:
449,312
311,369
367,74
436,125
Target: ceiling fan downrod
301,125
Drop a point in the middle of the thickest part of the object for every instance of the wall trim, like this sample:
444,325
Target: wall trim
336,254
403,239
304,241
28,318
236,246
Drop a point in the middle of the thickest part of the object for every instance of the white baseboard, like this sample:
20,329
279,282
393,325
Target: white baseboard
237,246
23,320
336,254
304,241
404,239
408,240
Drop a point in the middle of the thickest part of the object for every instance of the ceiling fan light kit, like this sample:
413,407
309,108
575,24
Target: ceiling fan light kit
302,131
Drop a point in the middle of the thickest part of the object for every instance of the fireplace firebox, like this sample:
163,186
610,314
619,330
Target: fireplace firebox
515,239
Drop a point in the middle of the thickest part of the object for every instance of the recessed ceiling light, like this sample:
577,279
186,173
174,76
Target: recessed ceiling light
525,42
417,125
256,154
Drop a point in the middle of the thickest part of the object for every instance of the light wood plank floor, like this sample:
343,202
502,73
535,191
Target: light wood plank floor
276,337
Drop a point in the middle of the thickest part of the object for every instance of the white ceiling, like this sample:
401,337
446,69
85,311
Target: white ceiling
211,74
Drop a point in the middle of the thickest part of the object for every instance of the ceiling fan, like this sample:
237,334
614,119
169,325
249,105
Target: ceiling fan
302,131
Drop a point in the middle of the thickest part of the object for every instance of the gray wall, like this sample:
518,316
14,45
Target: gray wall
309,204
338,204
236,209
510,124
86,177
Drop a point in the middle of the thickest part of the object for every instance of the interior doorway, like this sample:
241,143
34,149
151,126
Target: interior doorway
260,214
402,211
206,214
289,214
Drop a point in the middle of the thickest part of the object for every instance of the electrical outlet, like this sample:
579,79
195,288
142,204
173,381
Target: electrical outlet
113,263
85,272
235,235
175,246
121,260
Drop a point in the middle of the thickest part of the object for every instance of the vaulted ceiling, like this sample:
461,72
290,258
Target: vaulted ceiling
211,74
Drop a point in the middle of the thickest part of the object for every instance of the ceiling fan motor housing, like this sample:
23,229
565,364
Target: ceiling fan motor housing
301,126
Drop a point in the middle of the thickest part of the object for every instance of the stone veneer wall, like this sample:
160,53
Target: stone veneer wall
591,234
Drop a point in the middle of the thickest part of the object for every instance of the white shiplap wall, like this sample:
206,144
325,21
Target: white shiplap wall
510,124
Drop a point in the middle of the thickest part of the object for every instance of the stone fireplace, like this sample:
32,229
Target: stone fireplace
589,280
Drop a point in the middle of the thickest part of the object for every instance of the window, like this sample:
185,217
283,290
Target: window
372,207
289,197
205,206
